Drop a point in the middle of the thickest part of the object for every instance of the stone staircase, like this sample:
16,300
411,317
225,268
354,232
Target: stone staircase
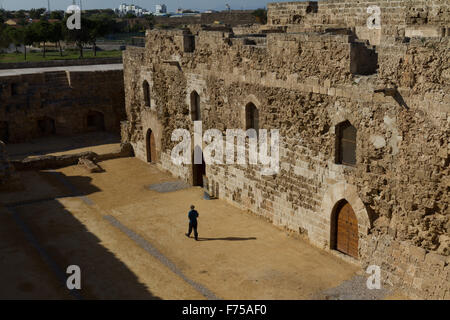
57,87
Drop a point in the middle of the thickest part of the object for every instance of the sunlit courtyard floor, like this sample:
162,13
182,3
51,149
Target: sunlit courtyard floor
129,241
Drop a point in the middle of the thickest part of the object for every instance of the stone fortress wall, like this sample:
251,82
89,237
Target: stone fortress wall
35,104
306,80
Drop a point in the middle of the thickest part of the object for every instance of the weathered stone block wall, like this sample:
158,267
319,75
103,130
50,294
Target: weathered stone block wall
302,84
233,18
64,96
421,17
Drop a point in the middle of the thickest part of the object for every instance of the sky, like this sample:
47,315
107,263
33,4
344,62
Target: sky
172,5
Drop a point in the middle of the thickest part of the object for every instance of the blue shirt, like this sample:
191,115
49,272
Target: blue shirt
193,215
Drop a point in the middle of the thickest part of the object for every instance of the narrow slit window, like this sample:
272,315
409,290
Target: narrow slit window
195,107
146,88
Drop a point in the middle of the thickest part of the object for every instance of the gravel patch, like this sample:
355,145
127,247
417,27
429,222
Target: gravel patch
168,186
354,289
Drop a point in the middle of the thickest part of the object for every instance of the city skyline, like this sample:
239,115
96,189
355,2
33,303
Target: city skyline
172,5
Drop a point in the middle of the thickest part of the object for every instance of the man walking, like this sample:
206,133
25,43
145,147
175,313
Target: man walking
193,215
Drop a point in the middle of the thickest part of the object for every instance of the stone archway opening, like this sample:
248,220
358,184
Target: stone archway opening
95,121
46,126
198,169
344,229
151,146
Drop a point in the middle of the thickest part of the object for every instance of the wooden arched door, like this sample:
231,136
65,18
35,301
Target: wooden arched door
151,146
347,231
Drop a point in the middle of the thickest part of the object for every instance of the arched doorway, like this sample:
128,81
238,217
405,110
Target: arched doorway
198,170
95,121
151,146
46,126
345,225
4,131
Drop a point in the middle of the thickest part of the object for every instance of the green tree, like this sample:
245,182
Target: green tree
57,34
36,13
150,20
15,36
98,27
130,15
43,33
79,36
19,14
5,40
5,15
57,15
261,15
29,37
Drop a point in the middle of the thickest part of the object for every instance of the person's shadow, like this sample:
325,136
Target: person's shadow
227,239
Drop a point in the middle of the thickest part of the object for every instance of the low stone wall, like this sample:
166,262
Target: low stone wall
54,162
60,102
397,17
233,18
60,63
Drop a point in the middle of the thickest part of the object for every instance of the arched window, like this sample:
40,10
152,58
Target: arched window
251,117
346,144
195,106
146,88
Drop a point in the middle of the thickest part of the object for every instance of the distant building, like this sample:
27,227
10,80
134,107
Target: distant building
160,9
12,22
124,9
184,12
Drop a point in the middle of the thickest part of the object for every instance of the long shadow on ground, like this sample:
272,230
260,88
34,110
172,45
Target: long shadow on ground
227,239
55,239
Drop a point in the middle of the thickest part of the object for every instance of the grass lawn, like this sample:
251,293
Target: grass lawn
54,55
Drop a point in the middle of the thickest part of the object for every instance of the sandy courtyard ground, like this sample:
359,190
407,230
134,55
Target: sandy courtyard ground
130,243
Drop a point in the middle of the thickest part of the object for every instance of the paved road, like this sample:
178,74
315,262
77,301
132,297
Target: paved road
92,68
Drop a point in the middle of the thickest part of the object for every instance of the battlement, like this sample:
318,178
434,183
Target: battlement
397,18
